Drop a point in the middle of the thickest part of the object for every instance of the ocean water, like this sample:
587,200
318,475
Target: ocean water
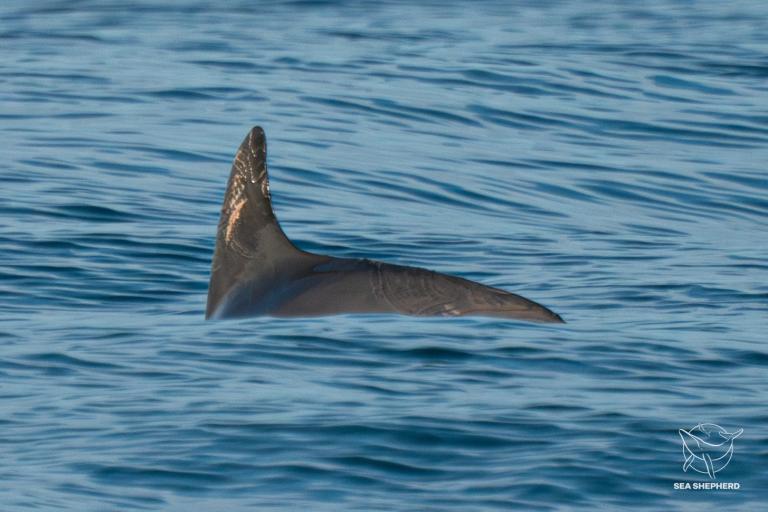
608,161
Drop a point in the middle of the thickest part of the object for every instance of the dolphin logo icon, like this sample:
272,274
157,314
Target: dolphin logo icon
707,448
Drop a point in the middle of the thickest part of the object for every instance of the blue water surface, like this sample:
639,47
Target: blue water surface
607,160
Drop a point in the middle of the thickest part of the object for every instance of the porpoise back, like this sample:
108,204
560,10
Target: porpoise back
257,270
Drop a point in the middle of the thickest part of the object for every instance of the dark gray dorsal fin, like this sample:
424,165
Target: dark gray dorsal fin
256,270
249,237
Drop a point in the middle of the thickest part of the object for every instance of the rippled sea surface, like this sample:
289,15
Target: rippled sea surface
607,161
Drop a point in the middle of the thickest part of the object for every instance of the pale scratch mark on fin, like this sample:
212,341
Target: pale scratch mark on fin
233,217
449,309
265,188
